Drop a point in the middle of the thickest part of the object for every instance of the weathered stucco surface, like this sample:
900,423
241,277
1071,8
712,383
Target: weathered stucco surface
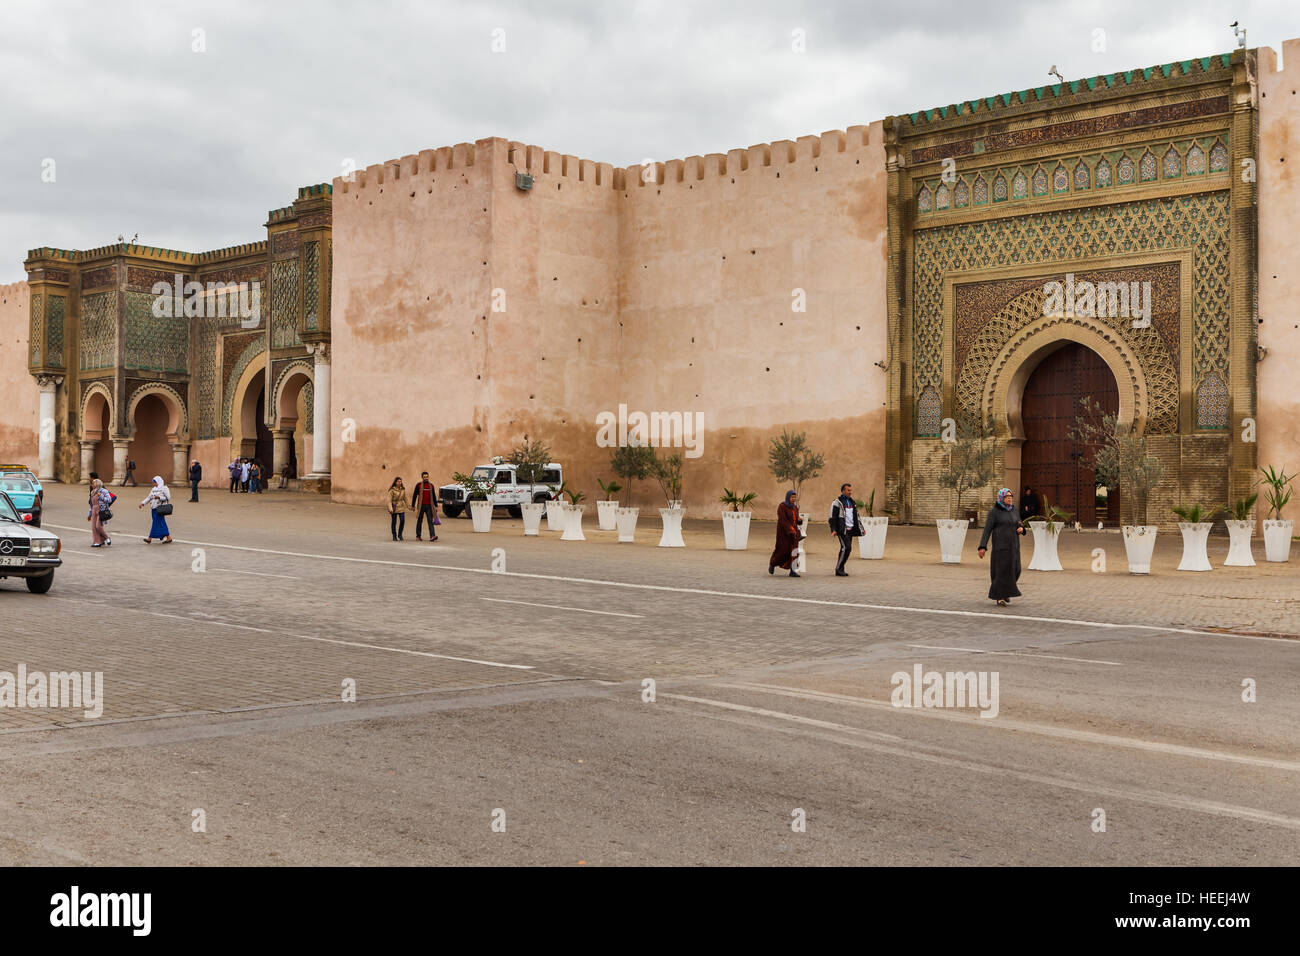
20,408
1279,259
672,290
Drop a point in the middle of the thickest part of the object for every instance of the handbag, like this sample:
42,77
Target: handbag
105,514
436,519
163,509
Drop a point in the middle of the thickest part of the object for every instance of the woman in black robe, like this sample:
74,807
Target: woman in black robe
1004,567
787,535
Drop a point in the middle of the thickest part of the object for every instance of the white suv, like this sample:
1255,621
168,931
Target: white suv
508,493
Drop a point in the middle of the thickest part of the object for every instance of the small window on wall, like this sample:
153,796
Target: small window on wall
929,413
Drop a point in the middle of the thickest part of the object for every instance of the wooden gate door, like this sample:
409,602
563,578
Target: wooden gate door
1052,463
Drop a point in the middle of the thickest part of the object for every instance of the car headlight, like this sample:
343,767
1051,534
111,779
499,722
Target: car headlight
46,546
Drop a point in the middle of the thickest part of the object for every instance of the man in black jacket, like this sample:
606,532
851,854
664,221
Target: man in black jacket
1029,504
196,475
425,498
845,526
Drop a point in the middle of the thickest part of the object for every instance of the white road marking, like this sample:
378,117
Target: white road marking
976,650
263,574
1092,789
793,718
1004,723
1104,625
561,607
308,637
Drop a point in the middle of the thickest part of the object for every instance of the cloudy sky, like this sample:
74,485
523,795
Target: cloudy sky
190,148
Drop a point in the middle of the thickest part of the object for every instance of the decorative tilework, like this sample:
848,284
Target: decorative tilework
152,343
1218,158
96,278
311,286
1060,179
1127,170
999,188
139,278
54,332
284,242
98,331
284,304
1082,176
1040,181
255,348
1212,402
962,193
923,201
981,191
929,413
1019,185
1103,173
1195,161
942,200
1147,167
36,338
1173,163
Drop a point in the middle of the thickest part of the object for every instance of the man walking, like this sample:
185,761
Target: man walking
129,477
1029,504
196,475
233,468
424,497
845,526
243,475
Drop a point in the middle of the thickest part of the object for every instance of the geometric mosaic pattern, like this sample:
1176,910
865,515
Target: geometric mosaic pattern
99,331
1212,402
255,348
35,337
929,413
284,304
153,343
54,340
1080,173
1197,221
207,373
310,282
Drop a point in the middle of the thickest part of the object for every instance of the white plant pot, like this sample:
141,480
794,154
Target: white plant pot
1046,557
1277,540
481,514
625,519
871,545
1195,538
533,511
800,564
952,538
1139,545
605,515
1239,535
554,515
672,535
735,529
573,523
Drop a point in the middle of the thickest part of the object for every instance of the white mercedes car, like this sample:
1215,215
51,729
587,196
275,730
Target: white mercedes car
27,552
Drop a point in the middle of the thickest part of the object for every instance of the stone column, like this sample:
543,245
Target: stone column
180,464
87,460
119,460
282,438
320,454
48,428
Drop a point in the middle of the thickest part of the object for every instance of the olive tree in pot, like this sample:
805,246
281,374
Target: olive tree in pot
1120,459
607,507
1277,532
631,463
668,472
1241,527
735,523
1195,525
790,460
573,510
477,489
969,462
530,459
1047,537
871,545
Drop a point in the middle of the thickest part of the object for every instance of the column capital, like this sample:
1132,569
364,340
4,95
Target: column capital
49,383
319,351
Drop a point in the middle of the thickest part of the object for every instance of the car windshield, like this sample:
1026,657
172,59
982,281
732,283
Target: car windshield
7,511
20,485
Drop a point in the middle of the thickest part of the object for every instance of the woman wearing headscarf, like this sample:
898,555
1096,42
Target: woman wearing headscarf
787,535
158,496
397,508
99,502
1003,526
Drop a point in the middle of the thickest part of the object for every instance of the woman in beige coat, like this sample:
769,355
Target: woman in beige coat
397,508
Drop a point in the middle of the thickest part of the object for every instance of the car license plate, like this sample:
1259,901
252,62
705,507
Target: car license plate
11,560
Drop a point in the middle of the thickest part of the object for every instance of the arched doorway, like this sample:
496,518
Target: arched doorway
149,446
97,432
292,412
1052,463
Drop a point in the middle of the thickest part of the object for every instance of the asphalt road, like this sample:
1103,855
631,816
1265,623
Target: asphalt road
505,718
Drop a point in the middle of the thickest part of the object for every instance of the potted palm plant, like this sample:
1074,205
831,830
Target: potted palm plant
1120,460
735,523
668,472
1047,536
969,465
871,545
1195,525
573,510
631,463
607,507
477,489
1240,529
1277,532
530,460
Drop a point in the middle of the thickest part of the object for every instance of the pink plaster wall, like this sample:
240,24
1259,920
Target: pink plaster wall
20,407
1279,258
607,279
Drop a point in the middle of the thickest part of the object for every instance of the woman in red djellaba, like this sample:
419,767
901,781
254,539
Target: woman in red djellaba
787,535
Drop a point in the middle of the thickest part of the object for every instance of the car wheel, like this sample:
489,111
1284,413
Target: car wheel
452,511
515,511
41,584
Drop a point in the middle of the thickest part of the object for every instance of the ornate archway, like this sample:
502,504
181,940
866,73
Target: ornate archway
98,421
157,426
290,424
